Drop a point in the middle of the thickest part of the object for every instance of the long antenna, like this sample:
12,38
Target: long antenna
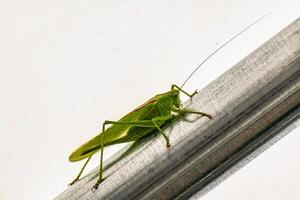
223,45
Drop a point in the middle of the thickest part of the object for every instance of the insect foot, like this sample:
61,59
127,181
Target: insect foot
95,187
168,145
73,182
208,116
196,92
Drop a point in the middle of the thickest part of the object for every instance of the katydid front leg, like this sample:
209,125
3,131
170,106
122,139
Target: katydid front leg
142,123
184,111
162,118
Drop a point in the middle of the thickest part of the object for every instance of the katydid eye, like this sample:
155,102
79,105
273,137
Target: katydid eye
175,95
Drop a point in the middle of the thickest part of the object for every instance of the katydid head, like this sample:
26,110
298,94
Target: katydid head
170,98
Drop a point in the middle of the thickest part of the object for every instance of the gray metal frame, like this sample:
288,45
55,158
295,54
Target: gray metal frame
253,104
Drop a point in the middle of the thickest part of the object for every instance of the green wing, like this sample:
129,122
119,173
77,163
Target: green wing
114,134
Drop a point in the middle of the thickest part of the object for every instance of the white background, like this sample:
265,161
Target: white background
65,66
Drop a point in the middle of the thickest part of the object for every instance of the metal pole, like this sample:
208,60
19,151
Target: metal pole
254,102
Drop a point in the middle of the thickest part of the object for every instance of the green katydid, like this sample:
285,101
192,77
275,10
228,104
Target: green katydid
149,117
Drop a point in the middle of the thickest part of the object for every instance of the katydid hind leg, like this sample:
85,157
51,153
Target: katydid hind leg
142,123
148,123
79,175
95,187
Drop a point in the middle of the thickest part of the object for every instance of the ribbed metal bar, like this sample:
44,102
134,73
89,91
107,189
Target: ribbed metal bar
252,103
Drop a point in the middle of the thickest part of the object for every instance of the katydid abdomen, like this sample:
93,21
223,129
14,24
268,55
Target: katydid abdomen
121,133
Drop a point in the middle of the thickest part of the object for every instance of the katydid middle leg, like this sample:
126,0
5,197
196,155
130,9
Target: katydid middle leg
162,118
